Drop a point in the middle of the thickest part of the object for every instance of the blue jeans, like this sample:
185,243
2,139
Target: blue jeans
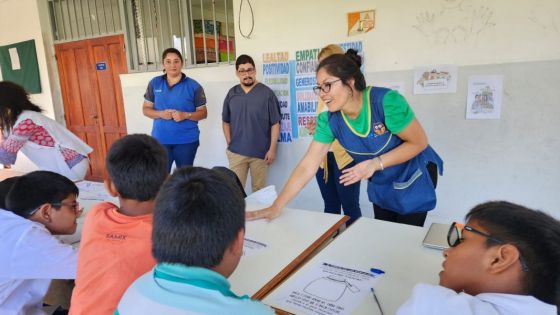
335,194
182,154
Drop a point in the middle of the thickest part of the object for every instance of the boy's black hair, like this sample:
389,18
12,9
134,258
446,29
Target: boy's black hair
537,237
345,67
31,190
137,166
243,59
5,187
197,216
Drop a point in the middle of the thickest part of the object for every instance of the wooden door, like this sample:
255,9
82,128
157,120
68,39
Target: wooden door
91,91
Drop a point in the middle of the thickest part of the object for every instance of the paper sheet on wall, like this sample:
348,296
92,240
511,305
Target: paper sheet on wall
14,57
251,247
435,79
327,289
484,97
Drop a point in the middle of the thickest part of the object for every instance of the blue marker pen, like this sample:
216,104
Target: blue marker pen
377,272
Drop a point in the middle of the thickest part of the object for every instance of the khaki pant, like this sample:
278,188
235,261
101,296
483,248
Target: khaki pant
241,164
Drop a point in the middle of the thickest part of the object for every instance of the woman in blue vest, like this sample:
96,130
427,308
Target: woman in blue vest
377,127
176,103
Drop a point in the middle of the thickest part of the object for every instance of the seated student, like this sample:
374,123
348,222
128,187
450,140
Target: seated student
116,241
199,225
40,204
505,260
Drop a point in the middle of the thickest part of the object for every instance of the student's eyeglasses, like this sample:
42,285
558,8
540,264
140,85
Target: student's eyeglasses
74,205
454,238
325,87
246,71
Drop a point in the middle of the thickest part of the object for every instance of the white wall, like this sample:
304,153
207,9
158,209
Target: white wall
517,41
491,164
19,21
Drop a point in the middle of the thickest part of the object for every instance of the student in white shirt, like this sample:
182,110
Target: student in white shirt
40,204
505,260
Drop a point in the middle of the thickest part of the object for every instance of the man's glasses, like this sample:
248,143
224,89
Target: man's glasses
246,71
454,238
325,87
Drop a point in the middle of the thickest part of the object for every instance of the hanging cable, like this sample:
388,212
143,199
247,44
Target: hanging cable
248,36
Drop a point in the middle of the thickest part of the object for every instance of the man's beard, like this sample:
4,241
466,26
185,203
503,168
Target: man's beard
248,82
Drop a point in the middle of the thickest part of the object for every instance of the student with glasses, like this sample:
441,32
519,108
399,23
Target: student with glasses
377,127
38,205
504,260
251,124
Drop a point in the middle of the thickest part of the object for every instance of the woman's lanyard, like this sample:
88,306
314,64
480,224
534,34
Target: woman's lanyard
201,283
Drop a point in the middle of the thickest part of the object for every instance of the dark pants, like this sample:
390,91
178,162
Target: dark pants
416,219
181,154
335,194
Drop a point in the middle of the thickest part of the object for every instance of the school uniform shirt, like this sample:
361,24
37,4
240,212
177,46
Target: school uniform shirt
30,258
175,289
48,144
437,300
115,250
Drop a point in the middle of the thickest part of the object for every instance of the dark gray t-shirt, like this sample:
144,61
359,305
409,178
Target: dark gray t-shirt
250,117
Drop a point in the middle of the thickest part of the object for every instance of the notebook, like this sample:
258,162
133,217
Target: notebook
437,236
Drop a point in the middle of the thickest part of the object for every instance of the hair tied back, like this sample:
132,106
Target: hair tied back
353,55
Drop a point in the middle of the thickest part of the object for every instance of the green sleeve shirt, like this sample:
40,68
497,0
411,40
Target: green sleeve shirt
398,115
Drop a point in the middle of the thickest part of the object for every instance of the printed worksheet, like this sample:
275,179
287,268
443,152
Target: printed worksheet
251,247
327,289
93,191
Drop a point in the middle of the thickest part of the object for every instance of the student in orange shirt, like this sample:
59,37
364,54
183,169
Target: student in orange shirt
116,241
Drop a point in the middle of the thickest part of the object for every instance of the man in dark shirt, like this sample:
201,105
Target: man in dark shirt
251,123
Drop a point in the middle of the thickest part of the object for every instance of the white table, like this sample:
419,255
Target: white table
395,248
291,238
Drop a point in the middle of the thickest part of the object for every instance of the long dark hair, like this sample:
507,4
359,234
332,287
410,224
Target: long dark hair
537,237
13,100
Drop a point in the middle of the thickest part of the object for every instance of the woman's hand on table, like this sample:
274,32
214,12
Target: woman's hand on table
269,214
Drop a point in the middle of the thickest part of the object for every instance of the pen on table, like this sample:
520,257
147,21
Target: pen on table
376,301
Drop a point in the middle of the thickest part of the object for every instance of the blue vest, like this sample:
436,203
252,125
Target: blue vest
404,188
180,97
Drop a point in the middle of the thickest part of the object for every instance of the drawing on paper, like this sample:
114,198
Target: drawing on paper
457,21
484,97
483,101
330,288
434,79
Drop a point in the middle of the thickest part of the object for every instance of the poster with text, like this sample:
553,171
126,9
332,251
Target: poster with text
303,80
276,75
435,79
484,97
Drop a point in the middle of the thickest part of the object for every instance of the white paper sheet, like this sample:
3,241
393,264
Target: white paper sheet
484,97
435,79
250,247
93,191
14,57
327,289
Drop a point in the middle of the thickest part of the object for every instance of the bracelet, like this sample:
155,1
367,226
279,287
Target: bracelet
380,163
190,115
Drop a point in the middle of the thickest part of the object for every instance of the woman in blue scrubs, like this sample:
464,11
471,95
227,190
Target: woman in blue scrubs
176,103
